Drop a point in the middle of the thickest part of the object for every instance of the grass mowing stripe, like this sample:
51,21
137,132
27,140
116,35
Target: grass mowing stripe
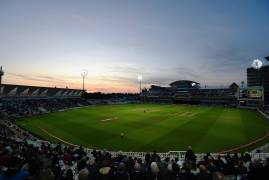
259,128
189,133
161,128
224,132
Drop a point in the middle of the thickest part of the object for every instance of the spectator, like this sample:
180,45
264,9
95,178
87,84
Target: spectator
203,174
83,174
155,171
190,156
121,173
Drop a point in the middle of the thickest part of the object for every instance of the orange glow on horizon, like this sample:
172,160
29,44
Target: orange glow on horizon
94,86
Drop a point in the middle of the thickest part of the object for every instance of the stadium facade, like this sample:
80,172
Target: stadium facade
184,88
186,91
259,78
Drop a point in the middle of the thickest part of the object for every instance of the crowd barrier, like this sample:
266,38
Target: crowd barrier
171,154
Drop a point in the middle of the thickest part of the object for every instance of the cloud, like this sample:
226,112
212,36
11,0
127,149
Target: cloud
157,76
127,70
186,72
117,79
37,78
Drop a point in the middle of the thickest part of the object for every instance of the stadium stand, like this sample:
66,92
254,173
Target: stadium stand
17,101
111,98
18,108
190,92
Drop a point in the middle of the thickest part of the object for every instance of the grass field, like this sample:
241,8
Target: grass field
149,127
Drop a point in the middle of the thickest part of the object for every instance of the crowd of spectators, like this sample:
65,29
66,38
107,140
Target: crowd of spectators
20,160
17,108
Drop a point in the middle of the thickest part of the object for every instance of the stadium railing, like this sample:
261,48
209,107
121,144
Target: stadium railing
264,148
263,113
171,154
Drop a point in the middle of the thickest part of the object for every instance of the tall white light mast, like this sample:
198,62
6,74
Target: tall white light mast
139,78
84,74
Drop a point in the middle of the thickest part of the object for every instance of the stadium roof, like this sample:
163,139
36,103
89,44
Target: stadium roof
12,90
183,81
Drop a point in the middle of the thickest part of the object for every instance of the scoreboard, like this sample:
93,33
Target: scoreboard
255,92
252,93
252,96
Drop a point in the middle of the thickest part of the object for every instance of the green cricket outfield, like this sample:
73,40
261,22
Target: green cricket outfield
148,127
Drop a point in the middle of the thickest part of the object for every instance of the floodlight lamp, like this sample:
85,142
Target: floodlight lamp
139,77
193,84
84,73
256,64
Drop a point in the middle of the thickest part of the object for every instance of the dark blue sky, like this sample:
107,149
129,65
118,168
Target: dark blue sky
213,42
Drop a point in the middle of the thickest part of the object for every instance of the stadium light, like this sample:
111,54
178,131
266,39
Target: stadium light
139,78
84,74
256,64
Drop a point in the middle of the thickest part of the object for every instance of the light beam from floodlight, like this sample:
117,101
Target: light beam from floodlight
84,74
139,78
256,64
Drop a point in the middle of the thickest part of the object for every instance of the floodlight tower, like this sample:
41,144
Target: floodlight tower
84,74
1,74
257,64
139,78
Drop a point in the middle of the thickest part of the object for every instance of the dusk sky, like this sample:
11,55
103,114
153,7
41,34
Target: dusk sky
49,43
